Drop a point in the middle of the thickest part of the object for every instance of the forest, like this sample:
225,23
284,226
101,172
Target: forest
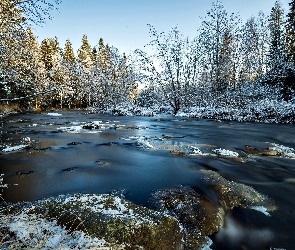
230,70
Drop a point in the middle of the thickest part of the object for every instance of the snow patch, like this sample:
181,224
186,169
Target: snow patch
54,114
34,231
283,150
14,148
225,152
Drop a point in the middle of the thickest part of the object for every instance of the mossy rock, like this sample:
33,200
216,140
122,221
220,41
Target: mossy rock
202,217
232,194
198,217
116,220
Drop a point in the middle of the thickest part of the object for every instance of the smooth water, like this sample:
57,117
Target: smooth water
133,154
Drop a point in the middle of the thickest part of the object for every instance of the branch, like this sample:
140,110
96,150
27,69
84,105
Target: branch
29,96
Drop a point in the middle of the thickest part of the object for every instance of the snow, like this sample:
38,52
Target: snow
93,127
35,232
225,152
14,148
267,109
54,114
196,151
1,184
283,150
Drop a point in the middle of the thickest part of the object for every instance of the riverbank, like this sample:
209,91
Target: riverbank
264,111
183,218
267,111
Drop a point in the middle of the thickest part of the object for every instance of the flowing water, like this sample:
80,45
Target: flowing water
72,151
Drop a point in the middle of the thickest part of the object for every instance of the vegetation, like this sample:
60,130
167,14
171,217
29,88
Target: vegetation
227,64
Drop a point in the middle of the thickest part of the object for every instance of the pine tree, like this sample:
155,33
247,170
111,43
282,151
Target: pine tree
68,53
94,54
19,51
103,55
276,50
50,52
290,33
85,56
288,88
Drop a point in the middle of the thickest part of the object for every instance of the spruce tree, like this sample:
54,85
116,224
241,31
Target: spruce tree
85,56
94,54
276,50
290,33
47,54
68,53
101,54
289,81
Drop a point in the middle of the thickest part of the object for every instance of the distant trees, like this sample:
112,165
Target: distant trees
172,68
276,51
19,69
218,41
290,34
289,82
227,64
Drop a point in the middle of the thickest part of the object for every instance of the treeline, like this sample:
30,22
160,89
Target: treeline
227,64
46,76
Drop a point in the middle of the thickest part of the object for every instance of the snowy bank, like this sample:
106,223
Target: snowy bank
265,110
82,221
182,219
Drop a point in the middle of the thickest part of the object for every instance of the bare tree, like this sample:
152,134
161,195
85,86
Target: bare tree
172,67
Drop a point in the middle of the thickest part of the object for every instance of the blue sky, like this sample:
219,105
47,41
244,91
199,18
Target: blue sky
123,23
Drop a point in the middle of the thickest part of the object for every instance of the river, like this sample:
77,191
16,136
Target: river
75,151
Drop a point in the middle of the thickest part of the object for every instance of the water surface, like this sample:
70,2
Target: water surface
133,154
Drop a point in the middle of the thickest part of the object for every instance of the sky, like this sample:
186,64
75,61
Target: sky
123,23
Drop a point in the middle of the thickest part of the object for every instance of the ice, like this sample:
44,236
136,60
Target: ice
54,114
14,148
225,152
283,150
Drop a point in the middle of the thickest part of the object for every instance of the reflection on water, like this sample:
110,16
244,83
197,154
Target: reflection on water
88,153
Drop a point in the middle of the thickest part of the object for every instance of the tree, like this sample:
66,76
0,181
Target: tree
218,35
289,82
32,11
85,56
171,68
276,56
16,53
68,53
290,33
250,51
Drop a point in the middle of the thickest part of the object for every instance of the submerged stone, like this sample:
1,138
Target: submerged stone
232,194
202,216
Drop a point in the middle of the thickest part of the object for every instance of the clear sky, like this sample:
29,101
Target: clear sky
123,23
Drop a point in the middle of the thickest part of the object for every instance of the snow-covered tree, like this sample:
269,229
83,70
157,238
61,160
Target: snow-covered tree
172,67
68,53
218,34
277,30
290,33
85,56
249,51
16,55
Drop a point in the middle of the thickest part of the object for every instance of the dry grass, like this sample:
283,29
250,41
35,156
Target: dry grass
6,109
